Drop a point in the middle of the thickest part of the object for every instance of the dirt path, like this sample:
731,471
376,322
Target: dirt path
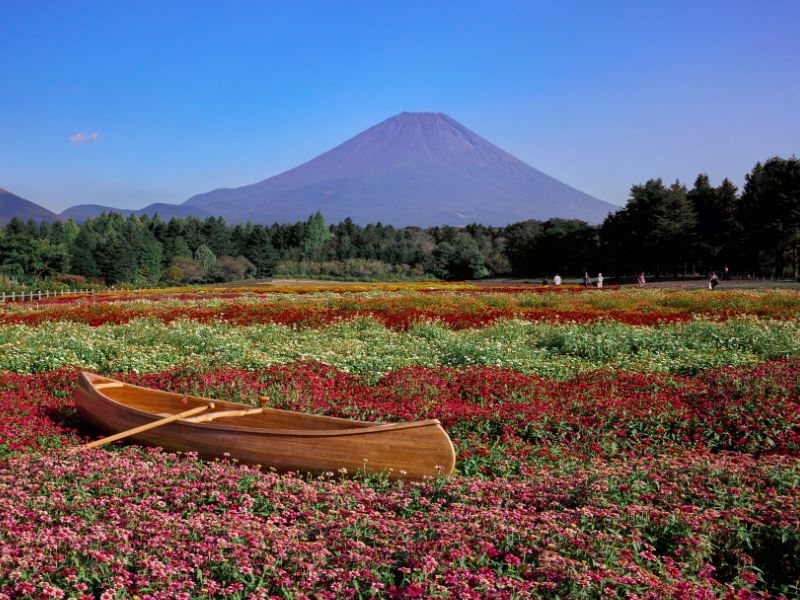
683,284
686,284
727,284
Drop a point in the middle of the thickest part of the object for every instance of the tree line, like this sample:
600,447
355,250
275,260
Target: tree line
663,230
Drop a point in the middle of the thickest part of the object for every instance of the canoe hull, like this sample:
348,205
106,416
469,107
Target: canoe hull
403,451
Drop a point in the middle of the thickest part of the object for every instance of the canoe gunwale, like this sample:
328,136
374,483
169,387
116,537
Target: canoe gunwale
367,430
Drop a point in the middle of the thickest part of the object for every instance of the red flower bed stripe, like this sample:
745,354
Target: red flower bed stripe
311,316
755,410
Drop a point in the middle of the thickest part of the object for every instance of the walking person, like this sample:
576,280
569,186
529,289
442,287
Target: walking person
599,280
641,281
557,279
586,280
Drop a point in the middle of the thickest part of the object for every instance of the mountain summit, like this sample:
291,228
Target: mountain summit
412,169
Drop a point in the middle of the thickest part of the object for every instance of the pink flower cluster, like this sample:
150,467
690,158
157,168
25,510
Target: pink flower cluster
615,484
153,525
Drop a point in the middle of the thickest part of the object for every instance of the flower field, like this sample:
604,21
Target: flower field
631,443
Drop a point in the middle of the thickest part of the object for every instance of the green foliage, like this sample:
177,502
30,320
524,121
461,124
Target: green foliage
206,258
662,230
185,270
770,206
461,259
231,267
654,231
358,269
717,227
366,348
315,236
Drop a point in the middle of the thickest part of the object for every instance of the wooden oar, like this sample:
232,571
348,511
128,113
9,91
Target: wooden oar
153,425
225,414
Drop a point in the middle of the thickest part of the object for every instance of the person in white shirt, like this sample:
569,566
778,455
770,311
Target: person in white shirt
599,280
557,279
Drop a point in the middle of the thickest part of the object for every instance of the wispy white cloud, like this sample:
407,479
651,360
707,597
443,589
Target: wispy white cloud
84,138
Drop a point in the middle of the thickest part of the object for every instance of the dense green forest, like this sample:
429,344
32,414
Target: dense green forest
663,230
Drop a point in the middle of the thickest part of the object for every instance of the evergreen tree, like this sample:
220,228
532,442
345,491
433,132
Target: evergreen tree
192,231
728,242
239,236
17,252
53,258
521,240
715,210
674,231
315,235
83,251
260,252
770,205
565,247
217,236
653,232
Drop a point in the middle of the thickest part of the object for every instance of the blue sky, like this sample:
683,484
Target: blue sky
184,97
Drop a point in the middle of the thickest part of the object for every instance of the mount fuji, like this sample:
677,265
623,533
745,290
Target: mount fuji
419,169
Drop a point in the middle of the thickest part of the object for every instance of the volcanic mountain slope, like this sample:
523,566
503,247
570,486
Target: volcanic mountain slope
12,206
412,169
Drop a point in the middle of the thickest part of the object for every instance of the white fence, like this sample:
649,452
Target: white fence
40,295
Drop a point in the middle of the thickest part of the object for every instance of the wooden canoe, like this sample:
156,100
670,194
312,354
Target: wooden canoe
284,440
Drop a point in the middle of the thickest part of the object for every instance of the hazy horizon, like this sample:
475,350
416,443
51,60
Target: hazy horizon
128,106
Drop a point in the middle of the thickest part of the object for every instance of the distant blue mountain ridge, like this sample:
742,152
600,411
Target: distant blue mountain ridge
81,212
12,206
